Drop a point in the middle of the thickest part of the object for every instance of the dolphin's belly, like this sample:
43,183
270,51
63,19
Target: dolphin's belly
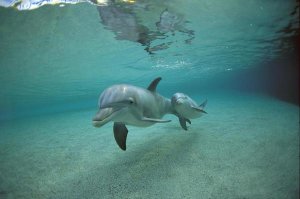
128,118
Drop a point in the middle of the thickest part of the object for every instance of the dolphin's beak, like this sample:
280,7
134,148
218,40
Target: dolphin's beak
179,101
99,120
97,123
103,116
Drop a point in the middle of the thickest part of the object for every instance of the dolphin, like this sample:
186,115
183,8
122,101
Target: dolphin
186,108
126,104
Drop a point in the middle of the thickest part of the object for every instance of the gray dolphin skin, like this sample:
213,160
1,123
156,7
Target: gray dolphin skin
125,104
186,108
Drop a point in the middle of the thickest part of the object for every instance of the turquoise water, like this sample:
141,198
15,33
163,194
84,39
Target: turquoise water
241,56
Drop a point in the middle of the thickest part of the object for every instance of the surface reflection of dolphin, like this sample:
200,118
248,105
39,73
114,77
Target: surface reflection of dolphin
170,22
123,21
124,24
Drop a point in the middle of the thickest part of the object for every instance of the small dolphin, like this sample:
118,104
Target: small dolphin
186,108
130,105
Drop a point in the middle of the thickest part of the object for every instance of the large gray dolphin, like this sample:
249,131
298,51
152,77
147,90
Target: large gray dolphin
186,108
130,105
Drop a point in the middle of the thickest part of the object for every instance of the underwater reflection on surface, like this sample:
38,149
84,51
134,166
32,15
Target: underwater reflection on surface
124,21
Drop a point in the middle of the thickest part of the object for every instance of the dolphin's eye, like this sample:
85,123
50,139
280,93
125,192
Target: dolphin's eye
131,101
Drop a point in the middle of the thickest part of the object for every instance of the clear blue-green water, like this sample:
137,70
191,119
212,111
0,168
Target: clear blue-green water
241,56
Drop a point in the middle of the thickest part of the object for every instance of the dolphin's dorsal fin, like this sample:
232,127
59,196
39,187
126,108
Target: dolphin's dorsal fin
153,85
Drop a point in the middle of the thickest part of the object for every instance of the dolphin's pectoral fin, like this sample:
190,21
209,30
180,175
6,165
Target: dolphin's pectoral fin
120,133
183,122
199,109
203,104
153,85
154,120
187,120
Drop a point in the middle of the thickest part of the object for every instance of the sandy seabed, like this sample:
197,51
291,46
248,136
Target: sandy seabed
247,146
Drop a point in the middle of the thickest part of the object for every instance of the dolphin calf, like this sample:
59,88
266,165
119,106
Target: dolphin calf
126,104
186,108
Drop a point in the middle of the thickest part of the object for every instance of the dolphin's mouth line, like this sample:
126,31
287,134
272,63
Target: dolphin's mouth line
107,116
180,100
100,121
115,107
